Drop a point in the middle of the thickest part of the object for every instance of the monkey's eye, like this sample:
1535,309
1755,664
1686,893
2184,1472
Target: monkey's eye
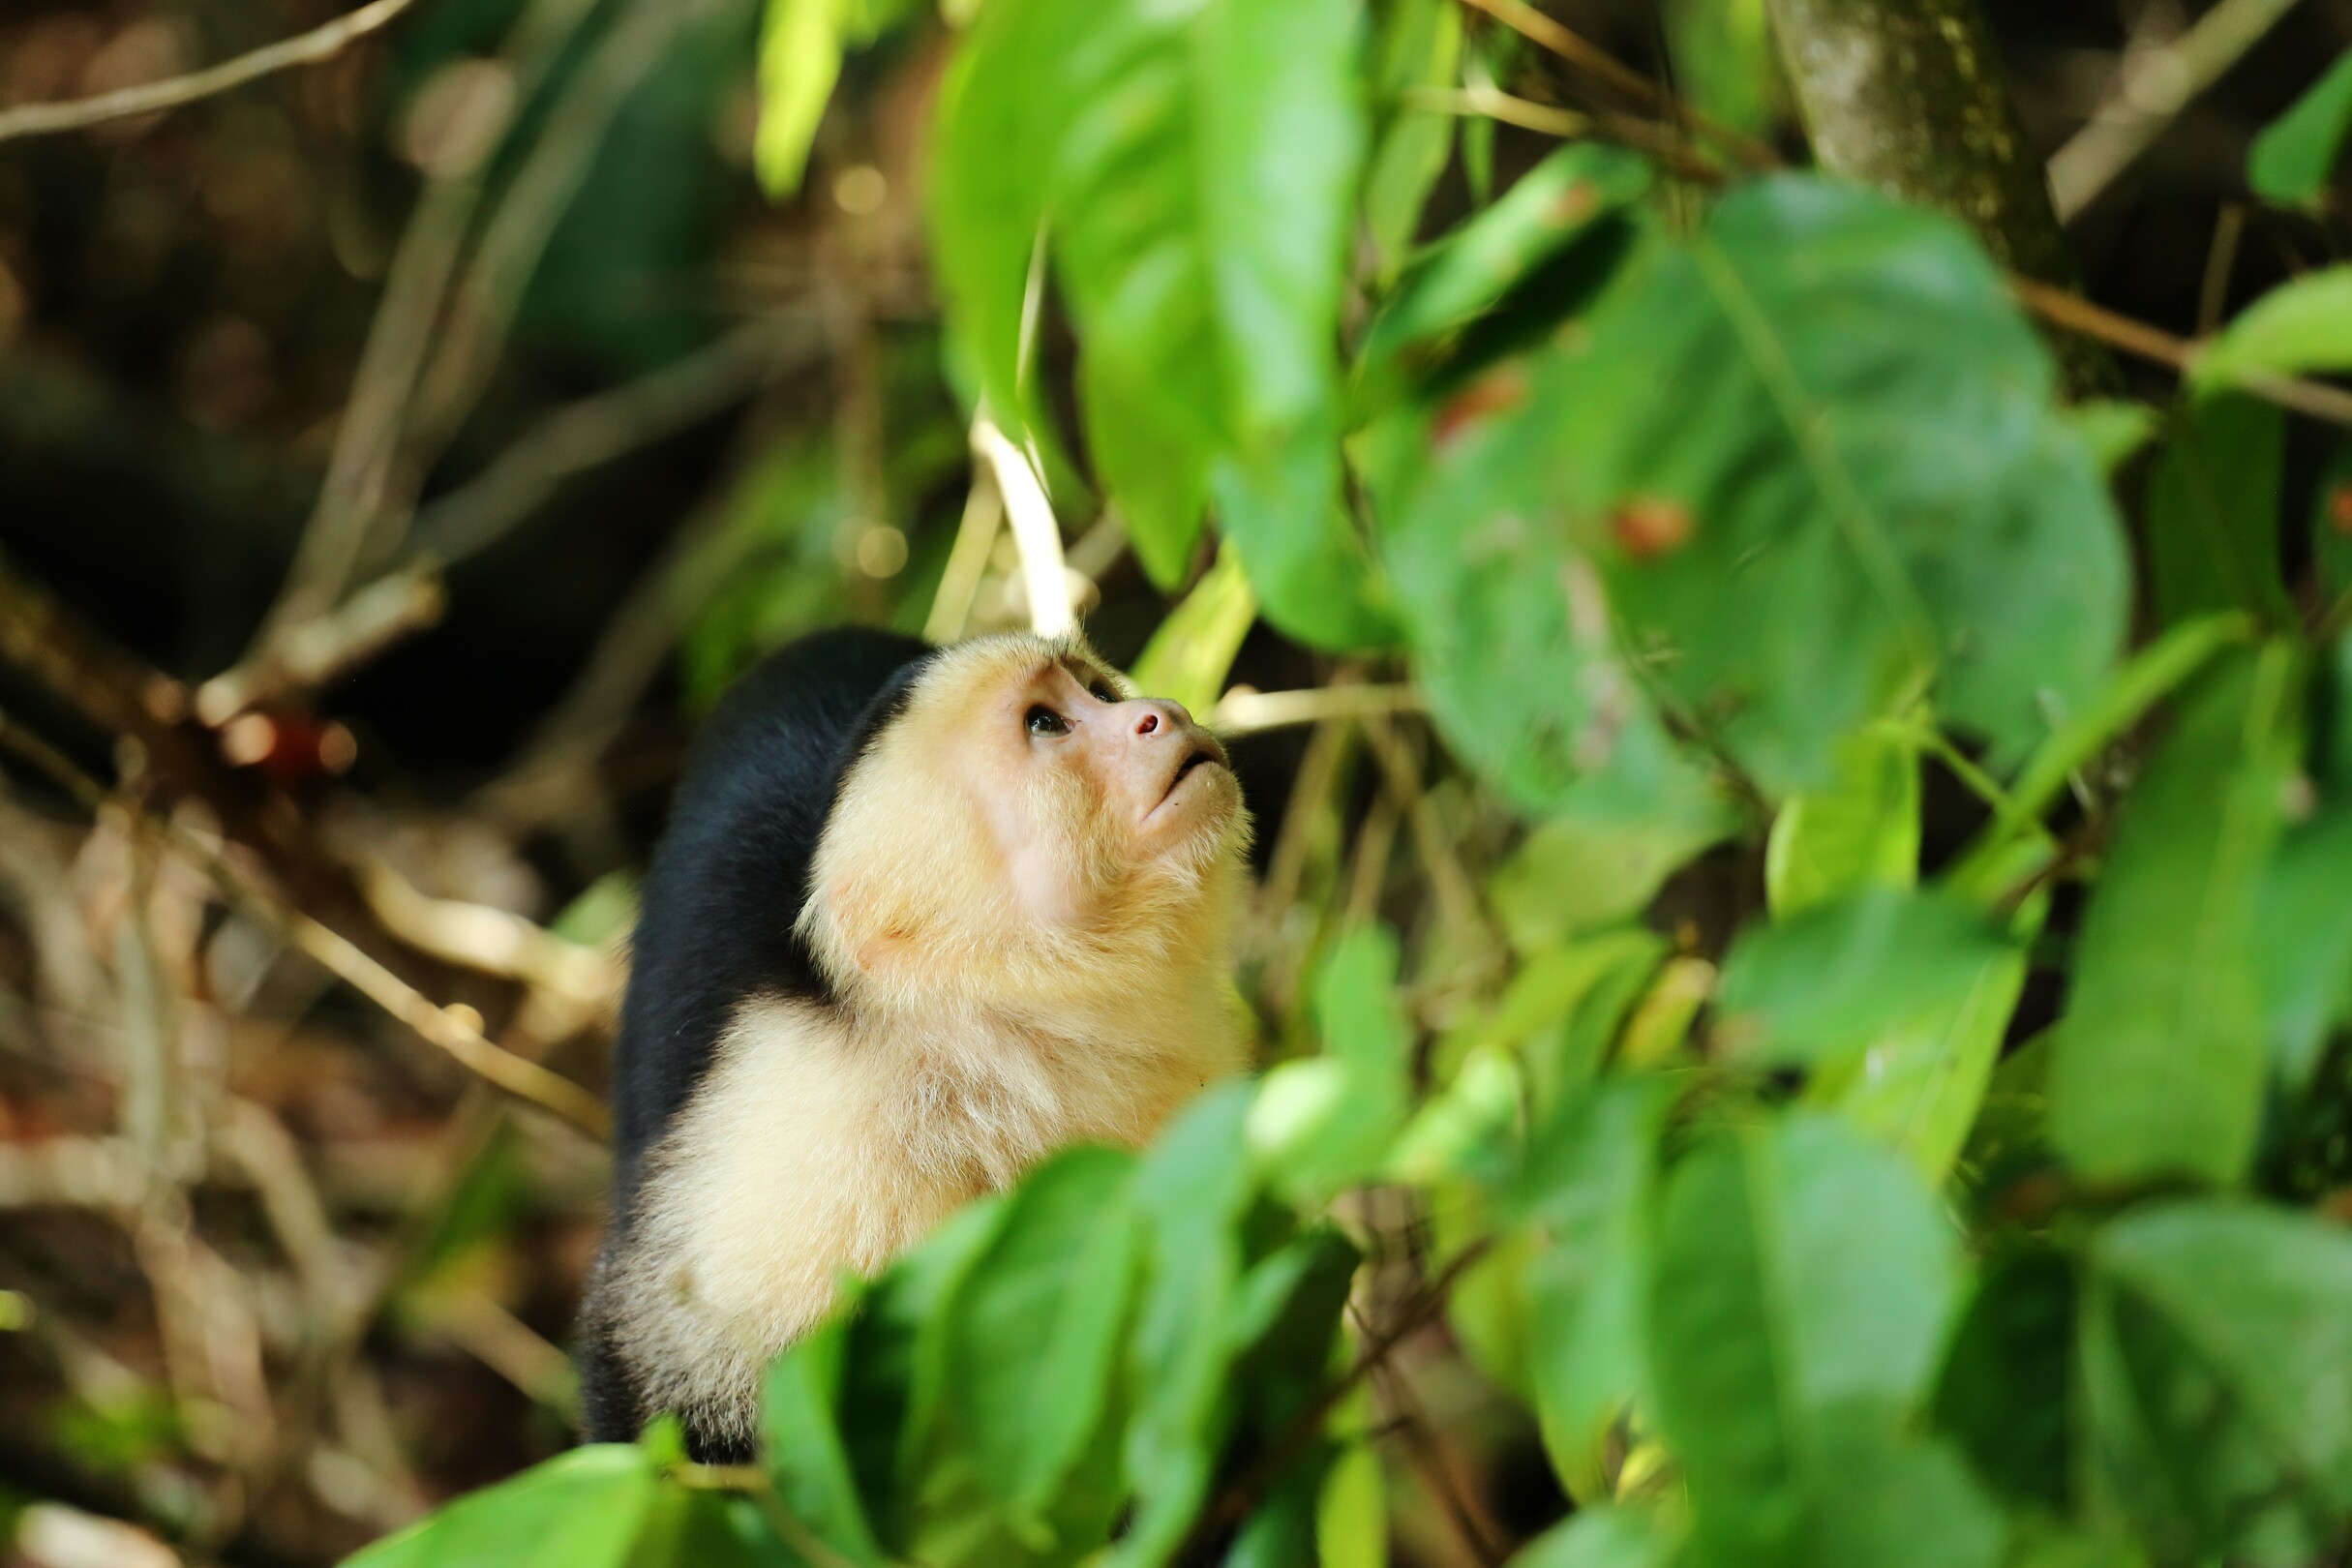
1043,720
1102,691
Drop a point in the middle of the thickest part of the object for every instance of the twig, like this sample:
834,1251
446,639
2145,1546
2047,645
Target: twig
1243,711
1242,1495
1456,896
2072,310
1483,101
313,652
321,42
520,1077
1034,528
1478,1531
967,561
2151,87
595,429
1599,64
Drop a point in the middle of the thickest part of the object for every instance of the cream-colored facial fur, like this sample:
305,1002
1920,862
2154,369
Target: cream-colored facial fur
1029,934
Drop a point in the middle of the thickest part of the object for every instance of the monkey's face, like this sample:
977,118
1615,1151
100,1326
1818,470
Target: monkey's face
1026,803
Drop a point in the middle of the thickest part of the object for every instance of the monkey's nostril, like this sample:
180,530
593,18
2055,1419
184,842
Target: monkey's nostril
1147,724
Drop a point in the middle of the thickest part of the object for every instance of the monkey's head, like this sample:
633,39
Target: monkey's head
1018,819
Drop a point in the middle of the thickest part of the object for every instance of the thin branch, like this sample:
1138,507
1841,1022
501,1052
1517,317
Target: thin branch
1034,528
2150,89
321,42
1243,711
1595,62
2057,305
518,1076
596,429
967,561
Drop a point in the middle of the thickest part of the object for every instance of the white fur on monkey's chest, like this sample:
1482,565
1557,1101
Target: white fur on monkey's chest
811,1149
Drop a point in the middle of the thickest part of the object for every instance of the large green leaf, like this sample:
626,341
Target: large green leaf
1601,1538
1193,165
1826,980
2218,1361
1802,1283
1823,410
2007,1396
2290,160
2212,511
2160,1059
1036,1331
1414,44
579,1510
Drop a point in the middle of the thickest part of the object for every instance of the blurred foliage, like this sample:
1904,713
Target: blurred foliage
1804,938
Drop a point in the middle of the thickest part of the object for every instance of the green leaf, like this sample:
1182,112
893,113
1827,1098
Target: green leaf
2152,675
1351,1516
799,61
1724,62
1601,1538
1457,280
2112,429
2290,160
2302,924
2303,324
1803,1280
1321,1123
1578,873
1823,981
1193,167
1190,654
2219,1367
1917,1086
2332,527
808,1463
1862,829
1192,1188
2212,512
1586,1191
2159,1060
1036,1328
579,1510
1415,43
2007,1395
1282,512
1827,411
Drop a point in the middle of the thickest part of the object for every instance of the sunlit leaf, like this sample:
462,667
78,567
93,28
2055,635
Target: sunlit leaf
579,1510
1415,43
1189,657
808,1461
2159,1061
1323,1121
1601,1538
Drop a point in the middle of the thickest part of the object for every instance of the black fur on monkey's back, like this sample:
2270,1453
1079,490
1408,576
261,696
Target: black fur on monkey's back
727,885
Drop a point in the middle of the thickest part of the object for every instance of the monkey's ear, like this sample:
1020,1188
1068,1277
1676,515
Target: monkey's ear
863,934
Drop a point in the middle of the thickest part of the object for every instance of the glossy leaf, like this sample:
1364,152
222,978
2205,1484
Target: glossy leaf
808,1461
1416,44
1323,1121
579,1510
1577,873
1192,651
1601,1538
2159,1060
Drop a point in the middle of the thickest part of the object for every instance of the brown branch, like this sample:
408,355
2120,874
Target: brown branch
1418,1311
520,1077
321,42
1595,62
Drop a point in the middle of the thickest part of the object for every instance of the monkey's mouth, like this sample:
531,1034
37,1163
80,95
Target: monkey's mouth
1206,753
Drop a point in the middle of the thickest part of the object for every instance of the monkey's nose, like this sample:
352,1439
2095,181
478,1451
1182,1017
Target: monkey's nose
1160,718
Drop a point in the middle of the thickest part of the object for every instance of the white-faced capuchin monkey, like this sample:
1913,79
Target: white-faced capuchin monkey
920,918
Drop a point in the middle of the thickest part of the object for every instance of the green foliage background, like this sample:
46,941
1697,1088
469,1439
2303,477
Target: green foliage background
1713,511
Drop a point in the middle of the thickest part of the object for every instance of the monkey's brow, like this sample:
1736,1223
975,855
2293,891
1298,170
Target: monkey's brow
1085,671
